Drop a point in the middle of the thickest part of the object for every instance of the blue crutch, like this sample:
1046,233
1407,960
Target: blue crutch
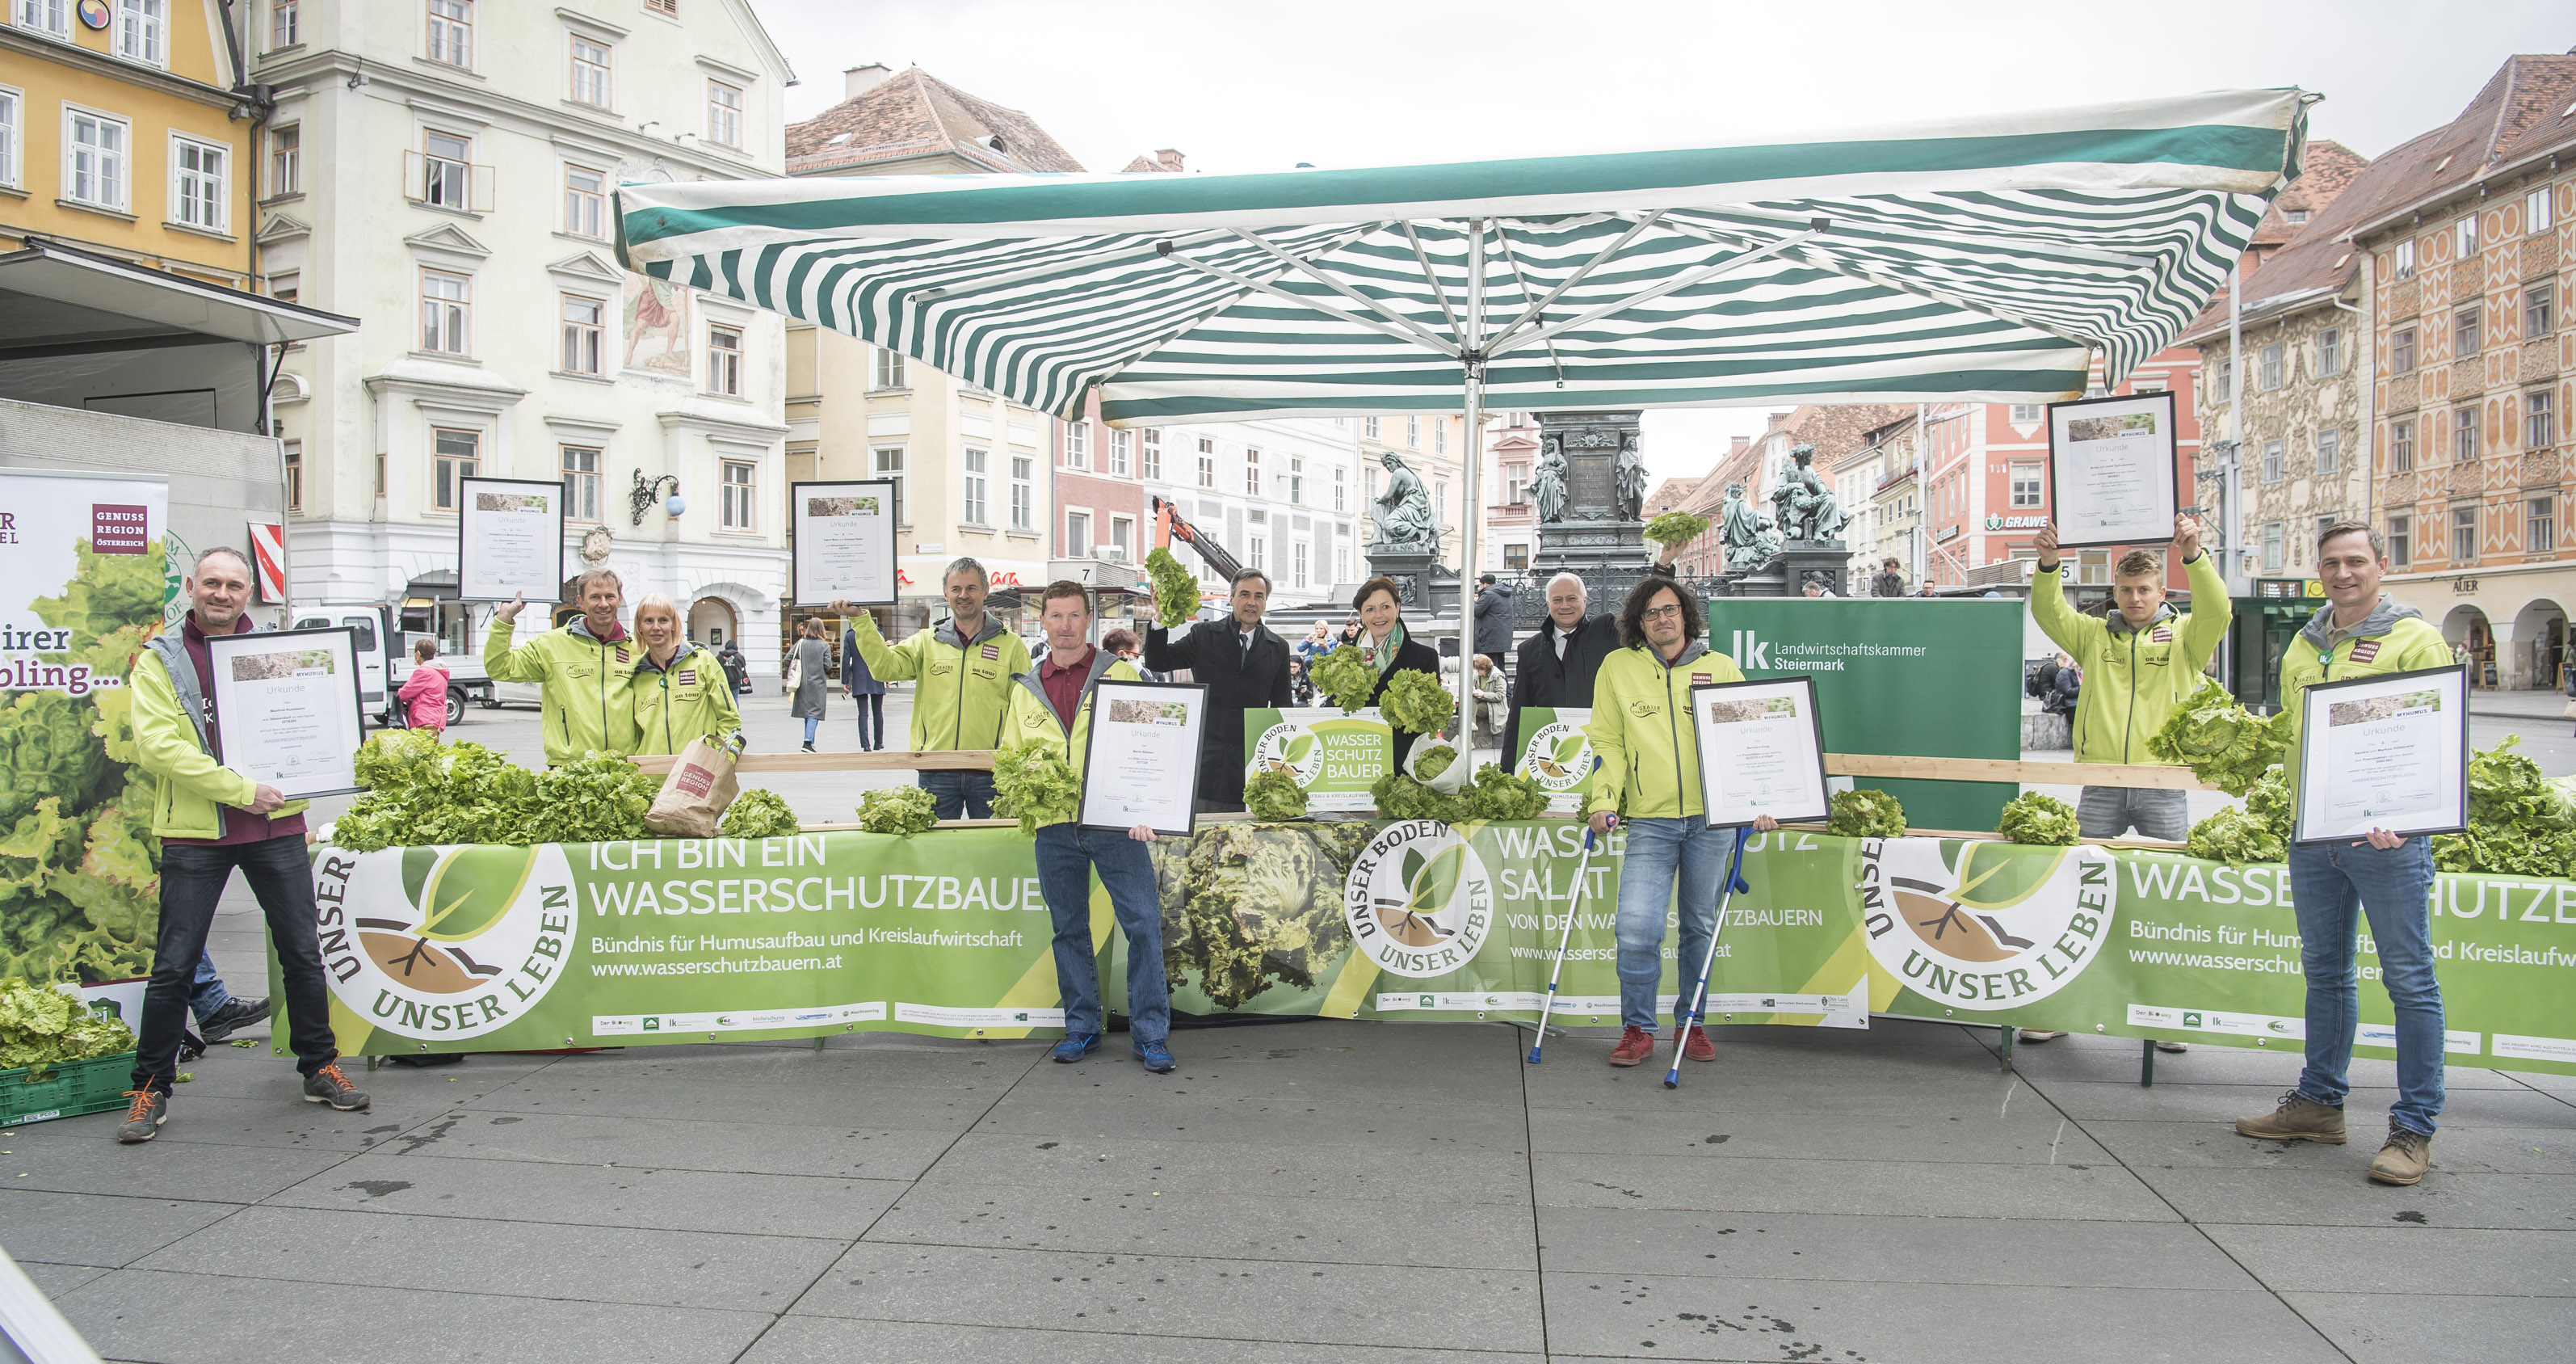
1699,1003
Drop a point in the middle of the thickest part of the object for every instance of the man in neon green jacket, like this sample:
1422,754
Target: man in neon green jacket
583,671
964,666
1053,702
210,820
2139,662
1649,778
2332,885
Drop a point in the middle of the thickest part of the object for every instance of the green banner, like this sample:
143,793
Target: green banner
492,949
1335,757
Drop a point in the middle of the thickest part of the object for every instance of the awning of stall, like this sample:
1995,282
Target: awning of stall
61,301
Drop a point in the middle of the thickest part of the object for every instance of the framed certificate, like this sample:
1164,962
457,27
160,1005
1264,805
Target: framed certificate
286,708
2112,476
509,539
2384,752
1141,763
1761,751
844,542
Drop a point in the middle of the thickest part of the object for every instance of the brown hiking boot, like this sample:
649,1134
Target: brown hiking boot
1697,1047
2299,1118
2404,1159
1636,1044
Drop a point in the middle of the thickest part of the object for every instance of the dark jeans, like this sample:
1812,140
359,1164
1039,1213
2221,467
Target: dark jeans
280,873
961,795
1066,855
872,733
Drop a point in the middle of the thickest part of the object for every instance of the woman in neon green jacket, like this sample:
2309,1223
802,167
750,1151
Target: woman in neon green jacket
680,690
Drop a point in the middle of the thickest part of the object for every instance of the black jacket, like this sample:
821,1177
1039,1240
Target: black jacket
1416,655
1216,661
1494,622
1543,679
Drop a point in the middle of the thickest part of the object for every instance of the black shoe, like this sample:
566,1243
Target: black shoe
329,1086
809,745
191,1046
144,1116
235,1013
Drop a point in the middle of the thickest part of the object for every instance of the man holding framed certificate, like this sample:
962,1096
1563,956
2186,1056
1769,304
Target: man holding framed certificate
1054,702
2334,883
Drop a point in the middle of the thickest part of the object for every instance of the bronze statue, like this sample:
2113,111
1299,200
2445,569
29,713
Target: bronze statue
1405,521
1632,478
1807,509
1547,485
1745,532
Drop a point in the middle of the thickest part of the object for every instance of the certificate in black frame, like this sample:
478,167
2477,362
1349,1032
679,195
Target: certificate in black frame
469,484
2309,749
222,647
2173,464
876,487
1091,741
1806,683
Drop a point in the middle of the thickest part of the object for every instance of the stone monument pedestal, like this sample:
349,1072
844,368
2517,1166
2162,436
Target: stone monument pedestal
1418,577
1786,574
1583,546
1597,529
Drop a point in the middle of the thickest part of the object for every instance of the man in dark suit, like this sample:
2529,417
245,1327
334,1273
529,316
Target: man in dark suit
1557,663
1244,666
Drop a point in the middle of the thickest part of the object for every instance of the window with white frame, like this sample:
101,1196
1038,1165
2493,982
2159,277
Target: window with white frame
286,286
2271,546
1297,564
1413,433
586,202
2271,461
736,489
451,32
1077,534
45,16
590,69
889,465
2401,536
2404,257
446,312
585,327
454,454
2539,210
95,158
2540,534
1369,427
286,160
2329,450
1260,553
285,23
1439,435
1440,501
1024,495
1251,471
1077,445
724,361
1297,479
2401,447
2464,535
1149,457
2401,351
200,177
13,116
446,169
2464,435
2539,310
976,508
2539,420
1339,487
724,114
1341,563
2466,332
2329,352
2029,486
294,475
1207,462
889,368
2464,236
581,482
668,9
1120,443
2023,414
2270,366
143,31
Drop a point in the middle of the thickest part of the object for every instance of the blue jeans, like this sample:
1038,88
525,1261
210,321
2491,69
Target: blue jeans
812,724
1066,855
1657,848
2332,886
207,994
960,795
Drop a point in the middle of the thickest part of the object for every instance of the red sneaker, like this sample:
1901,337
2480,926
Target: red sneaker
1636,1044
1697,1046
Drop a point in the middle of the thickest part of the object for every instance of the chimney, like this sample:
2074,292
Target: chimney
1738,447
1170,159
858,80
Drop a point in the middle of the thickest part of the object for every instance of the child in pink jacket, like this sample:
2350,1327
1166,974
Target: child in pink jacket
424,693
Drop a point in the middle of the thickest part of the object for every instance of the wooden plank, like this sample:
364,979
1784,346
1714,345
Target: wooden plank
962,760
2026,773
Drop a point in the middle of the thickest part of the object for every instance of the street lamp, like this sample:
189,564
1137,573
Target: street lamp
640,497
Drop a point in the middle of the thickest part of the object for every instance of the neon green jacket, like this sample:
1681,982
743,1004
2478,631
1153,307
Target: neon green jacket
2133,679
1641,730
2392,639
965,684
690,699
1032,717
585,683
170,743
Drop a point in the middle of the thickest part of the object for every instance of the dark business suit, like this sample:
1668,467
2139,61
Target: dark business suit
1416,655
1236,682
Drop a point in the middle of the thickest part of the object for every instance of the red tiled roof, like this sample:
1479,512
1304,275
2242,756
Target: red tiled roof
913,113
2524,109
2323,173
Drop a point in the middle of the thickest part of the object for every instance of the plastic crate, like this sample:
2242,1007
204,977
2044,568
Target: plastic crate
67,1091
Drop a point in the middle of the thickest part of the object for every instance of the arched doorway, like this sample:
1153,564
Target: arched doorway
2540,645
2467,628
712,621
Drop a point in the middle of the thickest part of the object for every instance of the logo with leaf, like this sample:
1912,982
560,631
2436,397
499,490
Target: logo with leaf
1558,756
1287,747
438,932
1418,900
1958,916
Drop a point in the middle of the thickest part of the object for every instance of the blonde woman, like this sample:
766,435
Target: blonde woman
680,690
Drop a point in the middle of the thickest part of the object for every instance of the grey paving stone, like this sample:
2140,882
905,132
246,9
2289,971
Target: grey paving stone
875,1152
56,1280
590,1195
2495,1150
1447,1073
1966,1250
1267,1169
1292,1119
78,1229
2085,1100
714,1096
81,1155
1769,1319
2407,1259
531,1259
1884,1086
1118,1214
835,1340
917,1063
2208,1064
217,1120
1870,1188
1458,1309
2033,1134
2344,1197
2388,1328
207,1319
252,1073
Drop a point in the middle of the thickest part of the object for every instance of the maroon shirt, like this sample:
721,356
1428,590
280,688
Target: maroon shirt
240,825
1064,685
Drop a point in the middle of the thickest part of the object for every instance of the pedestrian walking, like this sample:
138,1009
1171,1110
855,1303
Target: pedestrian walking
1493,619
424,692
808,668
867,695
1492,707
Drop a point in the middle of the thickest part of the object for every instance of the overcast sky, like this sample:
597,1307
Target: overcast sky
1244,86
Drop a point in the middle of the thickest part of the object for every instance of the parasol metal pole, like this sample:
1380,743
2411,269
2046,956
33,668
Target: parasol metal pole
1472,515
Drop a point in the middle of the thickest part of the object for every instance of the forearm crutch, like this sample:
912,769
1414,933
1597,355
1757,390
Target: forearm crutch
1582,873
1699,1003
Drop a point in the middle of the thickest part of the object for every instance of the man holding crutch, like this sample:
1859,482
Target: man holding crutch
1641,731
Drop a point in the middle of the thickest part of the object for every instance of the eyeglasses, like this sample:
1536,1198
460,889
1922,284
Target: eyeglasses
1663,612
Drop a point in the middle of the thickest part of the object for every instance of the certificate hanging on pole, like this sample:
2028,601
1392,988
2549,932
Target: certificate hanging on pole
1761,751
1141,763
509,539
286,709
2384,752
844,542
2112,475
